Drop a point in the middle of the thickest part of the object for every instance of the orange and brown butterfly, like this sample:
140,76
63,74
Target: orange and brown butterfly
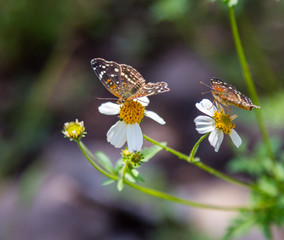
124,82
227,94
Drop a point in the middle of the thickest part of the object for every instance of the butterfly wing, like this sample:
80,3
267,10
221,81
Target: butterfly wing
150,89
227,94
222,91
131,82
135,86
109,74
125,82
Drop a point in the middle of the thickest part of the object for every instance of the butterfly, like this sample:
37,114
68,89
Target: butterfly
124,82
227,94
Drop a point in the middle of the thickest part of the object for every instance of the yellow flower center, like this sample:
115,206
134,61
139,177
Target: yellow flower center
125,152
224,121
132,112
74,130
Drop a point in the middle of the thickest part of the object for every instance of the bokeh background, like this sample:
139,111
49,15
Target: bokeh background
48,190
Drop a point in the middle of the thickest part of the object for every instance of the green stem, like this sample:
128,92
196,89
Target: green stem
153,192
183,201
249,82
200,164
94,163
195,147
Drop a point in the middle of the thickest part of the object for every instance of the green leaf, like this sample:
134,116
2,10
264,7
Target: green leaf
240,226
135,172
150,152
130,178
279,172
246,165
107,182
120,185
137,175
140,178
268,185
105,161
119,165
266,231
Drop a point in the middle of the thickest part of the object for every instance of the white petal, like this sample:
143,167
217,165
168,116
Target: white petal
206,106
134,137
216,138
116,135
220,140
204,124
109,108
155,117
236,138
144,101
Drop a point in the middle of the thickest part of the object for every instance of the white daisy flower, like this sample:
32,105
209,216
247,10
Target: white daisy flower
217,124
127,128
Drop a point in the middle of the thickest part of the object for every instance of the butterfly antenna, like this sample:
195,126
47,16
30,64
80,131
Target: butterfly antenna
205,84
141,101
205,92
106,99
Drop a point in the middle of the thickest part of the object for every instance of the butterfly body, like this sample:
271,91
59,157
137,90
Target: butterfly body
227,94
124,82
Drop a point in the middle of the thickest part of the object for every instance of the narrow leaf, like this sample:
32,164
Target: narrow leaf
136,175
135,172
130,178
240,226
266,231
104,160
120,185
150,152
107,182
139,177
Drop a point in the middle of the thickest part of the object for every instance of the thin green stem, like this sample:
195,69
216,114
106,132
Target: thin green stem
200,164
249,82
153,192
92,161
183,201
195,147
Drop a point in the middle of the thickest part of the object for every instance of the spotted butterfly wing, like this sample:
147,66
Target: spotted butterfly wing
109,74
124,82
227,94
136,84
131,82
150,89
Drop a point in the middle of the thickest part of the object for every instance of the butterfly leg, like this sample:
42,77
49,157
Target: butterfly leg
226,110
230,109
212,104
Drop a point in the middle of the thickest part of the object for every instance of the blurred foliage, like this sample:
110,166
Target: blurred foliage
169,10
30,28
272,109
35,34
267,198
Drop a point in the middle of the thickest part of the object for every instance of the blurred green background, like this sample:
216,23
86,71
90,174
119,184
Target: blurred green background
47,189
